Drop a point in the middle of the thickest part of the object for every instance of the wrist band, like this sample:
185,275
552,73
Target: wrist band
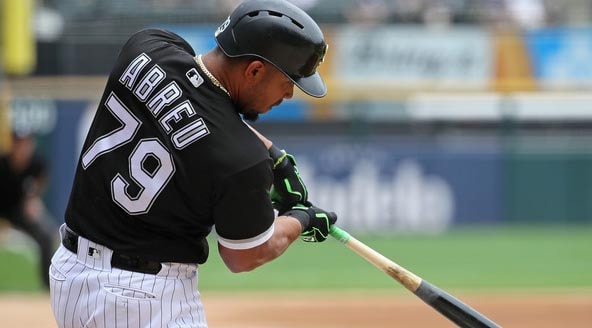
277,155
299,215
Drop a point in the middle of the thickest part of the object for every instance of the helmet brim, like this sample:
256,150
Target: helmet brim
312,85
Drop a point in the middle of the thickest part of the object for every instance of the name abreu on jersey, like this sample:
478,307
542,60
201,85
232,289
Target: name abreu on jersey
181,135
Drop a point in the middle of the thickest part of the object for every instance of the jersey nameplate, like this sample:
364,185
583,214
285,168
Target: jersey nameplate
177,121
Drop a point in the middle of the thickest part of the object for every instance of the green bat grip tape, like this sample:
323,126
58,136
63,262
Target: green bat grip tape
339,234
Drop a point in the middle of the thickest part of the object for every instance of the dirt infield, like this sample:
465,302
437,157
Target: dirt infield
343,310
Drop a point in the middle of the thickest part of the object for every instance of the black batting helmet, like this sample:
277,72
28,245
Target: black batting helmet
280,33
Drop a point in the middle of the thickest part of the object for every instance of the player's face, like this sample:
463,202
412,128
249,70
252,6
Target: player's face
269,90
22,150
277,87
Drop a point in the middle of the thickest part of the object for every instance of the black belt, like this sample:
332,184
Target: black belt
121,261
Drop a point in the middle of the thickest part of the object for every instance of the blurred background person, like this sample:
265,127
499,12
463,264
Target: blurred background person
23,176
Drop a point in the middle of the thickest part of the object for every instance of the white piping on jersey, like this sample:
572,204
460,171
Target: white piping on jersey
210,76
249,242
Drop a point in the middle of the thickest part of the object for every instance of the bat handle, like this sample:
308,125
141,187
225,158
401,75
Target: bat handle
341,235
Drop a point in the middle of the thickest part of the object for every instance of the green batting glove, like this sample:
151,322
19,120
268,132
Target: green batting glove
315,222
288,189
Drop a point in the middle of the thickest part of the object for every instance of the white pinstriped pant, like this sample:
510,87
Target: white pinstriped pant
87,292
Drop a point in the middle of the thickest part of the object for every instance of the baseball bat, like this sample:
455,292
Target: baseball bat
449,306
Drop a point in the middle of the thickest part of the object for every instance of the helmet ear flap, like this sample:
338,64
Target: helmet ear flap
279,33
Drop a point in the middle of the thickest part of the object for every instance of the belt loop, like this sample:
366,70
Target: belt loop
62,231
93,254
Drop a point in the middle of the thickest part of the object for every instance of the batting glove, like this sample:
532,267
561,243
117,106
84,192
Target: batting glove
288,189
315,222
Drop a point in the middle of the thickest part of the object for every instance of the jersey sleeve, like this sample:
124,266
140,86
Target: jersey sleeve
243,213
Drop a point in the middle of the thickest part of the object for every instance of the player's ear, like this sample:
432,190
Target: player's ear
254,71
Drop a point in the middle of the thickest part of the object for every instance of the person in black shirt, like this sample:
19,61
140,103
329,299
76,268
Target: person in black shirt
169,157
23,176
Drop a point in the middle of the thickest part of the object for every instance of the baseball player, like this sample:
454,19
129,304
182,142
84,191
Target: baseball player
168,157
23,176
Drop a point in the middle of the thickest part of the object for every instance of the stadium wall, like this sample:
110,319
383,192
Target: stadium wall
421,131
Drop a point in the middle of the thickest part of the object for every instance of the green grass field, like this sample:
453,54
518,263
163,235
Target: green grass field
469,259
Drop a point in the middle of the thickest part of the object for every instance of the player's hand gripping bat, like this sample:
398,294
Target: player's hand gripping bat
448,305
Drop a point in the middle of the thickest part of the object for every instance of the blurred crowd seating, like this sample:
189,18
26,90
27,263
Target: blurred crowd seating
96,28
528,13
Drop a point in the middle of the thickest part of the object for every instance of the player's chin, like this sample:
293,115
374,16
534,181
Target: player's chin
252,116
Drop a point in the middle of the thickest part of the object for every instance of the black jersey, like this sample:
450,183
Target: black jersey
168,157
